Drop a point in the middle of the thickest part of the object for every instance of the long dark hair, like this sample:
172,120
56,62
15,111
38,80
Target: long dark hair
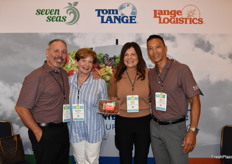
141,66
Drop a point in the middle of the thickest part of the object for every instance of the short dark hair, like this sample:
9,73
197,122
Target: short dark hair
155,37
84,53
141,66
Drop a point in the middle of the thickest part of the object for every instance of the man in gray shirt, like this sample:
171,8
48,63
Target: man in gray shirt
172,88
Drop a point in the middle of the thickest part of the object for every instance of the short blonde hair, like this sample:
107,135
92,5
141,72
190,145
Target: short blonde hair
84,53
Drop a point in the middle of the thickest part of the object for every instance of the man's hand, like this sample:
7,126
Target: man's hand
189,141
96,73
38,134
29,121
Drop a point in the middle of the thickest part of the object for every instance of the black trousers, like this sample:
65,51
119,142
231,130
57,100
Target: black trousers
53,148
131,132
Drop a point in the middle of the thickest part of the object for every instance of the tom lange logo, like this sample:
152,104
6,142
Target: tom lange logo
126,14
190,14
53,15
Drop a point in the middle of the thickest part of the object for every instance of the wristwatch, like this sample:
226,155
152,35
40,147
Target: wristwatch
195,130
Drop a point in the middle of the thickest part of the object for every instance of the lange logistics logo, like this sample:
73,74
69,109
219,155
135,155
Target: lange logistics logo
54,15
190,14
126,14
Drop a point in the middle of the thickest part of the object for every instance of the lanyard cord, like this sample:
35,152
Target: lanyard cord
162,81
61,87
78,94
132,84
79,88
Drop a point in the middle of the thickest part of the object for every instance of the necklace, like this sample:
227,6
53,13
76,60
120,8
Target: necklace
132,84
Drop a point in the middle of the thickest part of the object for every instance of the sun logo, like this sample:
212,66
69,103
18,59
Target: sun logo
191,11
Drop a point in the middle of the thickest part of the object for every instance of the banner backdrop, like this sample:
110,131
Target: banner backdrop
197,33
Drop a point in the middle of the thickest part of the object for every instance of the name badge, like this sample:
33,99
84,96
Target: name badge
161,101
132,103
66,113
78,112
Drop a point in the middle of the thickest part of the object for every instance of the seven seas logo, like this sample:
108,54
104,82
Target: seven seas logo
126,14
54,15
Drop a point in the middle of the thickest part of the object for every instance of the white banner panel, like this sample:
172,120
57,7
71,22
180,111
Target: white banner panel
176,16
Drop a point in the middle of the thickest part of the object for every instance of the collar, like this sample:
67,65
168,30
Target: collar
74,79
50,69
167,64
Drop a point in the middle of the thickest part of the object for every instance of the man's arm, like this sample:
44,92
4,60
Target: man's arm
28,120
190,138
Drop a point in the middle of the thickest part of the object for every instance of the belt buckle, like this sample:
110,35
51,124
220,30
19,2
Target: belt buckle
170,122
43,124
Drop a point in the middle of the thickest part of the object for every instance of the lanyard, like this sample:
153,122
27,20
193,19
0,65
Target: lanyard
132,84
78,94
79,88
162,81
61,86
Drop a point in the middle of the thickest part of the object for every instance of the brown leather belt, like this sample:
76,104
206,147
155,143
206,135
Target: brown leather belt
169,122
